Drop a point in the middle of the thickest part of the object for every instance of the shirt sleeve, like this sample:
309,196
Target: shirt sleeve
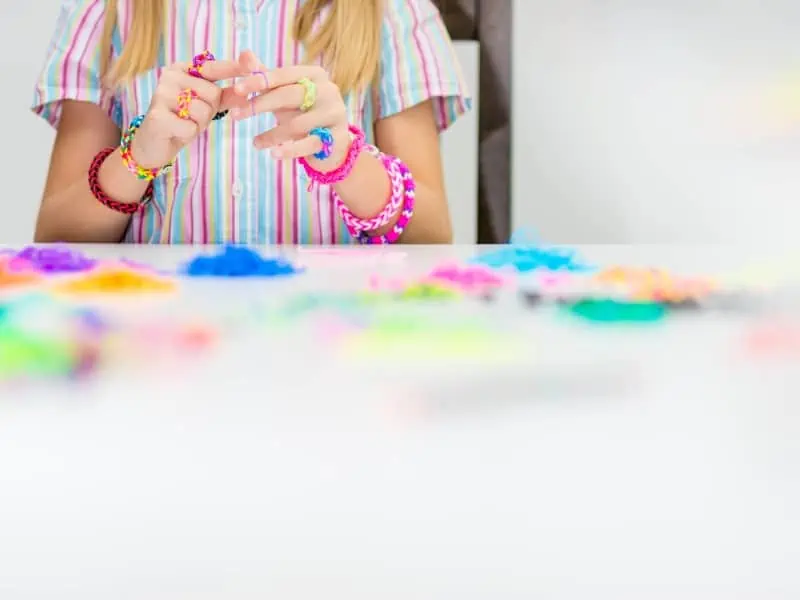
71,68
419,63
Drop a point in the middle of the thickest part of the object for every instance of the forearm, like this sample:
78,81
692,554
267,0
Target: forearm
73,214
366,190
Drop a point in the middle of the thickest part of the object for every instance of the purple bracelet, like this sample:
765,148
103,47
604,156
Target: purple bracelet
409,193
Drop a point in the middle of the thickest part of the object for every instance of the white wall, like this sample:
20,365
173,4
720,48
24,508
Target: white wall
657,120
25,30
460,154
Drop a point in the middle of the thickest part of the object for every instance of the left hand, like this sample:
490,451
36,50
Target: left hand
277,91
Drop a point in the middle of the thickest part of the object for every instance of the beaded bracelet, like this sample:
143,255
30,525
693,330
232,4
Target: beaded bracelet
127,208
409,195
141,172
393,206
342,171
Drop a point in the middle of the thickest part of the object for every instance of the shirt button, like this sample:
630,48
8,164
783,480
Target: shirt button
238,189
241,24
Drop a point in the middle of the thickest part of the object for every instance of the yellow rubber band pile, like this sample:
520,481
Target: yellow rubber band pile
117,282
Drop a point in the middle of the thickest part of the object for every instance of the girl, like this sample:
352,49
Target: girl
326,132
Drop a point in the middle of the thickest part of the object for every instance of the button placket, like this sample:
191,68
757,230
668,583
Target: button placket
243,194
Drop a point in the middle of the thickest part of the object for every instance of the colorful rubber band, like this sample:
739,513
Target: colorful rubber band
343,171
264,76
185,103
195,71
309,94
326,138
198,62
141,172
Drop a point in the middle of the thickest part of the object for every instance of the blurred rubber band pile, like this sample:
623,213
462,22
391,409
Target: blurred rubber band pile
66,315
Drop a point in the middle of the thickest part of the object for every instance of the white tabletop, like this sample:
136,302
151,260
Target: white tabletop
596,462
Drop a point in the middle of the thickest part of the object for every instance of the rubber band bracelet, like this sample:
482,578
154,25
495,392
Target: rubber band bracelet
409,196
127,208
141,172
343,171
393,205
196,71
198,61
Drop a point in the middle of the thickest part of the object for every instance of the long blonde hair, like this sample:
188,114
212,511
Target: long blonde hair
353,58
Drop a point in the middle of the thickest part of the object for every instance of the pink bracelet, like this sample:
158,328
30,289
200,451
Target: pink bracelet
392,236
341,172
393,206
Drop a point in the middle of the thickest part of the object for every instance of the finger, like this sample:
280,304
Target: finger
291,130
302,148
291,75
285,98
249,62
230,100
188,105
200,112
254,83
221,70
207,91
171,125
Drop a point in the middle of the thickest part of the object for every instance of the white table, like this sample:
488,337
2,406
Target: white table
607,463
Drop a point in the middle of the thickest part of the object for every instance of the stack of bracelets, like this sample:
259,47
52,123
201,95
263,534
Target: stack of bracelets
401,197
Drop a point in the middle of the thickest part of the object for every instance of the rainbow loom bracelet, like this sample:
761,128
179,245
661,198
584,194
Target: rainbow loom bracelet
127,158
394,204
409,194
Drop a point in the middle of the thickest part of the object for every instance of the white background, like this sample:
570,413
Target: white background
657,120
25,30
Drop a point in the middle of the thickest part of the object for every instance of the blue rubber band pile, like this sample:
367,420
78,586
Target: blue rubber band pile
524,255
238,261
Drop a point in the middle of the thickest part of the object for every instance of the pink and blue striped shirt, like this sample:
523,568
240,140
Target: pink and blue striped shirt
222,190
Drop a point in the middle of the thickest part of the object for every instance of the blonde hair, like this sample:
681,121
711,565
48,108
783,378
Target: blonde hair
353,58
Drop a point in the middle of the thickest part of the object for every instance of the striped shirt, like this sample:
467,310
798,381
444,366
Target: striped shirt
221,189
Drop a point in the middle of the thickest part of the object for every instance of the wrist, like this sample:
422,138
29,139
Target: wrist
141,156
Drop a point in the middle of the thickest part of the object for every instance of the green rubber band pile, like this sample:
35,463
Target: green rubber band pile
21,354
614,311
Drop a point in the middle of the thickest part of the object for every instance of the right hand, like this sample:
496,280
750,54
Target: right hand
163,133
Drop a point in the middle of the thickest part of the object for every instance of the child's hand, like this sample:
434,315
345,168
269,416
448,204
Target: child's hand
279,92
163,133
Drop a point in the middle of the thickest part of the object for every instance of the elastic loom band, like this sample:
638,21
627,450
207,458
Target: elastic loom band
52,260
238,261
